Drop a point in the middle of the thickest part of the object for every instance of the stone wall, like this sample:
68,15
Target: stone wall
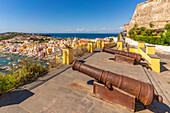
155,11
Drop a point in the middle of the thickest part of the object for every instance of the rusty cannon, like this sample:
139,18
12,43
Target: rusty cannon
143,92
135,56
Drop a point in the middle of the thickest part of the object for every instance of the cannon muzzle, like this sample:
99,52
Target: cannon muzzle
144,92
137,57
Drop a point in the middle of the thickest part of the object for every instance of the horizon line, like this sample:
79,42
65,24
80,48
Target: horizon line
61,32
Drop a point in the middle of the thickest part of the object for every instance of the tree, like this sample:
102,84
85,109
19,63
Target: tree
167,38
138,32
135,26
142,28
167,27
149,32
131,32
151,25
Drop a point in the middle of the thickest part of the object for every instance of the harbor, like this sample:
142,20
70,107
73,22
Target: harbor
7,60
44,48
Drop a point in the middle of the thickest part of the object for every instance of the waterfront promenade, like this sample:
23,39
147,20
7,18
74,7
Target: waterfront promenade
66,91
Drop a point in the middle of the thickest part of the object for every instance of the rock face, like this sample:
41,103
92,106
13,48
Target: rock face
155,11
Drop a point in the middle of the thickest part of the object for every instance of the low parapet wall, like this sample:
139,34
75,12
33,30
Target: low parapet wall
158,48
148,54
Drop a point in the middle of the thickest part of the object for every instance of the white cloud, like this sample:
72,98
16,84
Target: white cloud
94,30
80,29
103,29
77,30
121,28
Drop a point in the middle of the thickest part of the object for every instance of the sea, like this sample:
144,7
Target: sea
5,61
83,35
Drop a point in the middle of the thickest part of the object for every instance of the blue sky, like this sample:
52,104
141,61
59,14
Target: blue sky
66,16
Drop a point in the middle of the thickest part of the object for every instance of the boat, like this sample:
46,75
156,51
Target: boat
9,63
13,64
3,56
8,68
48,63
9,58
19,60
3,67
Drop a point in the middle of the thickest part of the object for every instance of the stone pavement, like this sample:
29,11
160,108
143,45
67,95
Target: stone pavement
165,68
66,91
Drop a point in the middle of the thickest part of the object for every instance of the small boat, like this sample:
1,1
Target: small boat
48,63
9,58
3,67
8,68
3,56
9,63
14,65
19,60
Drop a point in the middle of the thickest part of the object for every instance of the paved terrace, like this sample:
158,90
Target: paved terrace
67,91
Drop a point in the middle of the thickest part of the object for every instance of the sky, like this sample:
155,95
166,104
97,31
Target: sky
66,16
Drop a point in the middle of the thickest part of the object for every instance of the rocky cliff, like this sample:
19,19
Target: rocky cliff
155,11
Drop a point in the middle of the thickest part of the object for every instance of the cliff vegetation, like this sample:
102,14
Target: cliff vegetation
152,36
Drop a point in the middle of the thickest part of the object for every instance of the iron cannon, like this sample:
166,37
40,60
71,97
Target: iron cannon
144,92
137,57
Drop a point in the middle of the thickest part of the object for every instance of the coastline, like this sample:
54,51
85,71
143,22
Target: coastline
49,49
83,35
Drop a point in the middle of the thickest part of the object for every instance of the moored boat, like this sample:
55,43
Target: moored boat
9,58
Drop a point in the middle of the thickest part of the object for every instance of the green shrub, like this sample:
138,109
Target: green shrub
149,32
138,32
144,34
27,72
142,28
111,39
151,39
135,26
167,27
151,25
167,38
131,32
148,36
7,82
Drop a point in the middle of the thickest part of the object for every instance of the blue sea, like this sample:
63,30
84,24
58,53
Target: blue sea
4,61
83,35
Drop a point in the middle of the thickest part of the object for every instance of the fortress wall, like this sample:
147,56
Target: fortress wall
155,11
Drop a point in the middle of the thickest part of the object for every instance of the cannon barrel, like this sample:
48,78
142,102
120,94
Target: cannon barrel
137,57
144,92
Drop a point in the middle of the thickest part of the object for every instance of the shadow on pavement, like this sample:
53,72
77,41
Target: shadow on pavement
97,51
111,59
14,97
82,61
162,67
90,82
155,107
